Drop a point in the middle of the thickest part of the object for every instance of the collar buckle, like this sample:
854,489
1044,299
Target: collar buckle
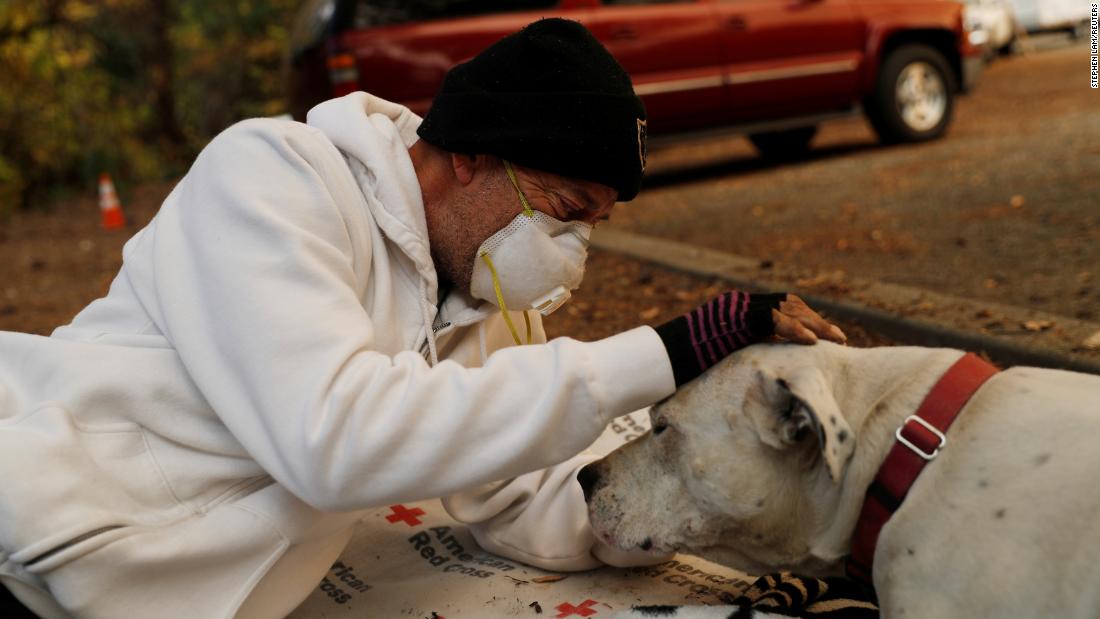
927,426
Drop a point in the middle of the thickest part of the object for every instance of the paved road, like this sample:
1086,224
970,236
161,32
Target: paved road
1006,208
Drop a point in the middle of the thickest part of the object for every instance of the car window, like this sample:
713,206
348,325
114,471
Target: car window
381,12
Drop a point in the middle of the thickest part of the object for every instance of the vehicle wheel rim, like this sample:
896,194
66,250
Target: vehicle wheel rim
921,96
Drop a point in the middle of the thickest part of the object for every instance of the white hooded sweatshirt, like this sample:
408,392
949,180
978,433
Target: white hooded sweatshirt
269,361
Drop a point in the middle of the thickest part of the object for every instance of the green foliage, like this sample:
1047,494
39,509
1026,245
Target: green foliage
130,87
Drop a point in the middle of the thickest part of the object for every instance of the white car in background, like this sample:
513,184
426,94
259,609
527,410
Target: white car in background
992,24
1052,15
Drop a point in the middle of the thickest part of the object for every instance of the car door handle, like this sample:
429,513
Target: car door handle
624,33
737,22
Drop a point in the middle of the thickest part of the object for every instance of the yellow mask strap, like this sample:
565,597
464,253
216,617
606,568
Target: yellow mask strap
527,210
503,306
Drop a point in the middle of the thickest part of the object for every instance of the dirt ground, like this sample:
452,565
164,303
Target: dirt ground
54,263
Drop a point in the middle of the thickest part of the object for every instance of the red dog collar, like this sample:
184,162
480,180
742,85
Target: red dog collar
919,440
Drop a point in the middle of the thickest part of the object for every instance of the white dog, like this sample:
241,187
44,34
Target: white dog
763,464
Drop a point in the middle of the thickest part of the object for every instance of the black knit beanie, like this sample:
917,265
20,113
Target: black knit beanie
549,97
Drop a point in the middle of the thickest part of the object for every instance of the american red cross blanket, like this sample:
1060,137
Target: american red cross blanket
414,561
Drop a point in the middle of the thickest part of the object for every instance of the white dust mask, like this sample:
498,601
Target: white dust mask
531,263
538,260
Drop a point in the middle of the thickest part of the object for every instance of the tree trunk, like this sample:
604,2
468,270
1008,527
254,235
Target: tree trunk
162,72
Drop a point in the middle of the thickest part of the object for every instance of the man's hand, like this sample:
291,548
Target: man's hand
796,322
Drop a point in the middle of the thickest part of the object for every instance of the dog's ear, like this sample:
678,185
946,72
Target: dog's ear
799,404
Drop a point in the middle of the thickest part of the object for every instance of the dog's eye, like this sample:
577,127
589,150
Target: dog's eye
660,424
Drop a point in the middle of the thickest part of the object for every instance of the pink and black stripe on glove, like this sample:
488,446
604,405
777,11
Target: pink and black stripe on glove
697,340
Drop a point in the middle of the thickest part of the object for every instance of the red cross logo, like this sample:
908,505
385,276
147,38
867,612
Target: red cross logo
584,609
409,516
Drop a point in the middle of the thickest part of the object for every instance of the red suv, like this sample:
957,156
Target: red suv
772,69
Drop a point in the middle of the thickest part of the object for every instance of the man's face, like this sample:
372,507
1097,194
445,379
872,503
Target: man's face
477,210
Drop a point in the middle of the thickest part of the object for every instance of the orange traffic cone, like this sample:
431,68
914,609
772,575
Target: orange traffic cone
109,208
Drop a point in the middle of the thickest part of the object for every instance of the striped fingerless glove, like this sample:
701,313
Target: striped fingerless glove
707,334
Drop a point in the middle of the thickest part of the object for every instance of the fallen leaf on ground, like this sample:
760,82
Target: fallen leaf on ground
821,279
1092,342
545,579
1016,202
1037,325
649,314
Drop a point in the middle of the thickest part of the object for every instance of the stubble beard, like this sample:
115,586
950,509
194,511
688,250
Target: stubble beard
468,218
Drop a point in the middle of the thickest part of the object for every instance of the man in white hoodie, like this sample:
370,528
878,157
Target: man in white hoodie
321,319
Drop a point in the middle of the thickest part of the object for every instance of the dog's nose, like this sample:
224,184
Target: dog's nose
588,476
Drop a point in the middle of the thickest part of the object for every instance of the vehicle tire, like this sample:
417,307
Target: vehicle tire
914,95
1079,31
785,145
1010,48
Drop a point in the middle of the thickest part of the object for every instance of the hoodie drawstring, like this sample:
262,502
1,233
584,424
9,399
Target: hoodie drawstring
428,331
481,342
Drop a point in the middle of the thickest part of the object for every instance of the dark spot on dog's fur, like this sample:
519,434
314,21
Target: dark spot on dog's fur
1042,459
647,544
655,611
910,551
760,502
842,436
745,612
726,596
982,483
832,419
1000,513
